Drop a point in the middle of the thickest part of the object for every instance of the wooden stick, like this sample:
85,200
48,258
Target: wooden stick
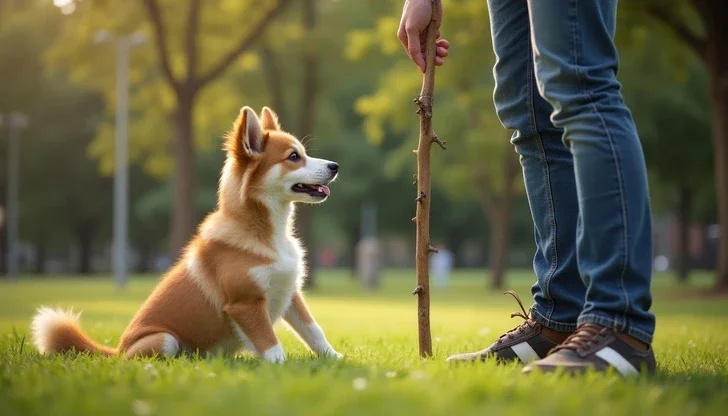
427,138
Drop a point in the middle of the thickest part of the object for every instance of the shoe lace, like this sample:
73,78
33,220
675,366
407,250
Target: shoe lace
527,321
584,335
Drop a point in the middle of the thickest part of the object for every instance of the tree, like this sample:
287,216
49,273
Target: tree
669,110
62,196
306,124
478,164
703,28
192,51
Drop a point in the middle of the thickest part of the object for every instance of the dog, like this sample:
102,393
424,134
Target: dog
239,274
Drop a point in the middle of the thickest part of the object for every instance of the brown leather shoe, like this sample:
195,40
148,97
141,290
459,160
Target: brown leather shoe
594,347
526,342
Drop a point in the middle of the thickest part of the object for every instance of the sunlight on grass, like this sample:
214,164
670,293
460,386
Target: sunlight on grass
381,373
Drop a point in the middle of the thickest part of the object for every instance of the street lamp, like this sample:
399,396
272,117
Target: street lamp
16,122
121,173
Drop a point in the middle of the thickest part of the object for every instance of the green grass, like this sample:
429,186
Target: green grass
381,374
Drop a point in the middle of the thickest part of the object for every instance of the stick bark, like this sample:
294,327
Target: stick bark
423,246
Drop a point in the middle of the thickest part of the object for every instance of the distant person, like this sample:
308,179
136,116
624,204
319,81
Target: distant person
441,267
585,177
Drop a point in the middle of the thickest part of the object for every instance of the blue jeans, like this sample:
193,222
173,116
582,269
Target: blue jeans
582,161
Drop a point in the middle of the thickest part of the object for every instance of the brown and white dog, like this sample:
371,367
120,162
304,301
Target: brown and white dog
239,274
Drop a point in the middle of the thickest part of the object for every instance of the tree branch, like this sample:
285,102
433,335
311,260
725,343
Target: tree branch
193,25
245,43
160,38
697,44
484,193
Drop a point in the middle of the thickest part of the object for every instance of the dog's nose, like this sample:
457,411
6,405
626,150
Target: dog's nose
334,167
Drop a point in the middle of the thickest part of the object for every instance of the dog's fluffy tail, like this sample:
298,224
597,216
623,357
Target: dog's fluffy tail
56,330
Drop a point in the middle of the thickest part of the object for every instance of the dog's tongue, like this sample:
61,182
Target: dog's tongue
324,189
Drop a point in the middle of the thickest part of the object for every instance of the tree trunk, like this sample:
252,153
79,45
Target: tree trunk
717,62
498,212
353,241
85,235
183,200
3,249
41,252
684,220
307,119
720,137
304,221
500,242
274,81
145,253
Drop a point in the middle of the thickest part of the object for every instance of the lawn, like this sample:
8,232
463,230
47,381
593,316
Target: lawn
381,374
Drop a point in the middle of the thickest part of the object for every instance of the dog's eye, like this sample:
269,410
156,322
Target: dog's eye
294,157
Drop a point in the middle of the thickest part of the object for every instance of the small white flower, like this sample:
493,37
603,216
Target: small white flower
151,370
359,383
484,331
418,375
141,408
391,374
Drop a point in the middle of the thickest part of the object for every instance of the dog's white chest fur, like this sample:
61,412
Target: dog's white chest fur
281,278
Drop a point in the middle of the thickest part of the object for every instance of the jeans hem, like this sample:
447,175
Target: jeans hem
550,323
617,324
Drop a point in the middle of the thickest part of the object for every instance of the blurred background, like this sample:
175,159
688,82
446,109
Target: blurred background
113,111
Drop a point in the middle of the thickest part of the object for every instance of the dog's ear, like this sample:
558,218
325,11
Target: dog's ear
247,138
269,119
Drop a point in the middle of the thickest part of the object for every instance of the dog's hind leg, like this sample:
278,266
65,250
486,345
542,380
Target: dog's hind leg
300,320
161,344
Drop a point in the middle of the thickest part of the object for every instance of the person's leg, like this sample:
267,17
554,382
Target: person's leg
548,169
576,65
548,173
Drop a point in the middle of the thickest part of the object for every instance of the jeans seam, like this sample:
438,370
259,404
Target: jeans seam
550,323
544,162
590,99
610,322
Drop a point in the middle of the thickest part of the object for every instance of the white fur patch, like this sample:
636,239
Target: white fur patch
274,354
278,281
170,347
46,320
311,334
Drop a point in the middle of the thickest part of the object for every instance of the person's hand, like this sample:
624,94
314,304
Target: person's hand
415,18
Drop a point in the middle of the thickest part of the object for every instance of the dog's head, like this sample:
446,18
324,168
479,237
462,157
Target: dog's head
269,165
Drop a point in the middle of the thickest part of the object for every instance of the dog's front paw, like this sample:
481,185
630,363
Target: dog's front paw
274,355
332,353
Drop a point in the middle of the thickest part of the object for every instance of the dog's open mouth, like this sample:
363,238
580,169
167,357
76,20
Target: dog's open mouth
318,191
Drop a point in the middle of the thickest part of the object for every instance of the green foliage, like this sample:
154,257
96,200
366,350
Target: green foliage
152,99
381,373
59,189
51,68
666,88
463,113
